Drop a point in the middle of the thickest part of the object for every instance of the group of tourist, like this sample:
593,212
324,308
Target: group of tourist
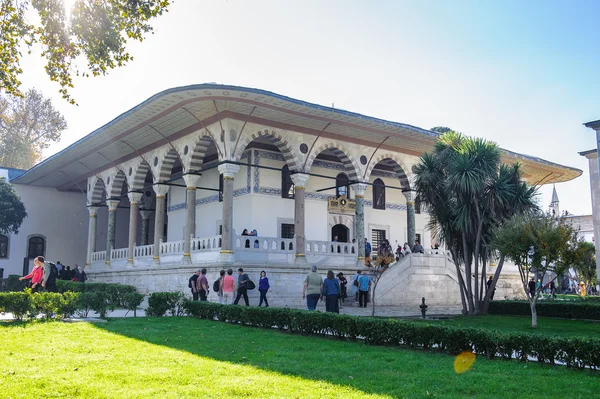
227,286
44,275
333,290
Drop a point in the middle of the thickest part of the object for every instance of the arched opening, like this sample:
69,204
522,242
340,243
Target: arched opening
342,185
378,194
36,246
340,233
287,184
3,247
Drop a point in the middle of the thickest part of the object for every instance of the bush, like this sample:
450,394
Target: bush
588,310
17,303
13,283
574,352
132,300
160,303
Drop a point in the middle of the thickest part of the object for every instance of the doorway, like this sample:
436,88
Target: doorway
341,232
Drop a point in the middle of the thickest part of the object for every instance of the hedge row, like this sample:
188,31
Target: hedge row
159,303
73,298
50,304
574,352
563,310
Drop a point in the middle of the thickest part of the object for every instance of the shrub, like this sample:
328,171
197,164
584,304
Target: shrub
589,310
13,283
574,352
160,303
17,303
132,300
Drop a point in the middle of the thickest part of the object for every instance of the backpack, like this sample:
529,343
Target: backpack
217,285
190,282
250,285
53,273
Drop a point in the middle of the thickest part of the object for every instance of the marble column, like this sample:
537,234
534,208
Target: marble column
228,171
112,222
299,180
410,216
93,210
134,206
191,182
159,220
145,227
359,195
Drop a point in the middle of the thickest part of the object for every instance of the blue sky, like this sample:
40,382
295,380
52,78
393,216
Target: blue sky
523,74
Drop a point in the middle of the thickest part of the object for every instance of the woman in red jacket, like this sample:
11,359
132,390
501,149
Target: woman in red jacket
36,274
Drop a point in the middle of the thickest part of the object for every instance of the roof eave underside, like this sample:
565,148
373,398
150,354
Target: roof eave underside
181,111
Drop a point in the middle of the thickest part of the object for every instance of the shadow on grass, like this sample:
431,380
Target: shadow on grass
370,369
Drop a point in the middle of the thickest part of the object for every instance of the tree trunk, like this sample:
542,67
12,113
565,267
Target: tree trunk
467,259
476,256
461,282
373,299
486,301
533,313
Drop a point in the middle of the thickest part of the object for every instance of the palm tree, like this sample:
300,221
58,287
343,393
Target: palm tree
469,193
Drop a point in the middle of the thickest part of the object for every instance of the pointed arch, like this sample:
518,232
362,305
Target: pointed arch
289,155
200,149
115,184
138,177
166,165
395,163
98,189
350,164
378,194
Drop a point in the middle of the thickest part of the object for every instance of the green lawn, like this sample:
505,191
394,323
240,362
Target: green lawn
546,325
192,358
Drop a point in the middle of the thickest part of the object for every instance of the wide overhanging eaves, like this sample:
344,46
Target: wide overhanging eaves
180,111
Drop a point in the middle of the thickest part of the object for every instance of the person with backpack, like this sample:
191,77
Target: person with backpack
202,285
263,288
50,274
228,287
192,284
242,289
217,286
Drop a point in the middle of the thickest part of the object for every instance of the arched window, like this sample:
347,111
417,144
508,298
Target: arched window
287,184
341,185
378,194
3,247
418,205
36,247
220,188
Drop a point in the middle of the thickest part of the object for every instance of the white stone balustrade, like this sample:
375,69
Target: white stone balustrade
332,248
205,244
264,244
120,253
143,250
171,247
99,256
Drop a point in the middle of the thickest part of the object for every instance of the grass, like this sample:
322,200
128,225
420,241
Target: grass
546,325
192,358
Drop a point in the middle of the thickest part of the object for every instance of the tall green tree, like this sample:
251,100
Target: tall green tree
97,30
469,193
538,244
27,126
12,210
584,262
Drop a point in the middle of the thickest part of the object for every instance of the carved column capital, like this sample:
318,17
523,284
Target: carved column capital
134,198
410,196
228,170
191,181
300,180
112,205
160,189
359,189
93,210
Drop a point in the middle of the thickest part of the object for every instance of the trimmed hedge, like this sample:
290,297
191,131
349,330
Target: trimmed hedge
574,352
160,303
50,304
563,310
73,298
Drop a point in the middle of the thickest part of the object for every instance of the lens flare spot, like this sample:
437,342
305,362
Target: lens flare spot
463,362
